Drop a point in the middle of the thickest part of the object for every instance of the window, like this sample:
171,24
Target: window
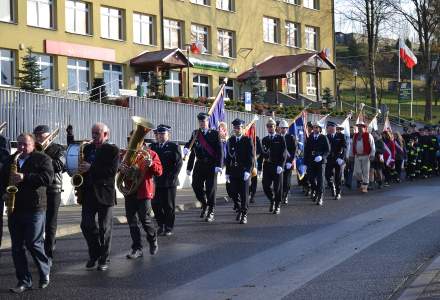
201,2
78,73
226,5
199,35
311,86
270,30
172,88
313,4
7,11
311,38
143,29
40,13
77,17
172,33
225,45
111,23
45,63
292,34
229,88
113,78
291,85
7,67
200,86
296,2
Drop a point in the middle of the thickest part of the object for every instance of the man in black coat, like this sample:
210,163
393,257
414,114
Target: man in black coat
208,156
316,150
26,221
99,169
239,163
291,151
272,160
5,150
164,202
335,160
58,155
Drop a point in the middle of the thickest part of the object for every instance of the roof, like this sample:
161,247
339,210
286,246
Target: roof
162,59
281,66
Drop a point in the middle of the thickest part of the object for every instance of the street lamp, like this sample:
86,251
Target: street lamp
188,48
355,74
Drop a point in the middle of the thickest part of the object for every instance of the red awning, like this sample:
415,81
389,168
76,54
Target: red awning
282,66
163,59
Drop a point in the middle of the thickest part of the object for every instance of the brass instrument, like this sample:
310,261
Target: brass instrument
12,189
2,126
77,179
50,138
129,181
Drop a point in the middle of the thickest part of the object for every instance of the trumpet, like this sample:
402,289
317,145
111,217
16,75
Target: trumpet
2,126
40,147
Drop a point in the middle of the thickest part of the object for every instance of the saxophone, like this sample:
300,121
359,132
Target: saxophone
77,179
12,189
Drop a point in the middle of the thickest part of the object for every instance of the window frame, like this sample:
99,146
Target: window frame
121,35
110,85
77,69
172,82
197,84
151,26
205,2
315,34
12,12
275,26
88,10
198,29
37,13
230,6
168,27
44,65
296,32
11,58
221,37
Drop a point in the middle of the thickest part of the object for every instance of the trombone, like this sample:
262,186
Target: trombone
40,147
2,126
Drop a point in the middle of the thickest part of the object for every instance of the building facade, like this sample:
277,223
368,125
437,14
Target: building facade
77,41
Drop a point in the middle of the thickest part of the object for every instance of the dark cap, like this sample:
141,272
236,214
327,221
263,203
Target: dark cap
162,128
41,129
331,123
309,124
202,116
237,122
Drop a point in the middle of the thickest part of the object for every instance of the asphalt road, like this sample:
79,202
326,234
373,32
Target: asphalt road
361,247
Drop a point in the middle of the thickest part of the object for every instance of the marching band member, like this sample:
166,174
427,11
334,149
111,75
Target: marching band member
291,149
208,156
335,160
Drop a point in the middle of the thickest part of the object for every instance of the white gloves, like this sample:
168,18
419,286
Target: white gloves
279,170
340,161
188,172
218,170
246,176
227,178
288,166
318,158
185,151
381,158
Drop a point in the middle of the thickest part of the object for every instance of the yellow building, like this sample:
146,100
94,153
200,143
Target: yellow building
122,41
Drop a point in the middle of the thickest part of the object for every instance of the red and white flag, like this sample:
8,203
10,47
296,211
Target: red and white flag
387,124
407,55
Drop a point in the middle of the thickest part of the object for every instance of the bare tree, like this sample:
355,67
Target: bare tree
372,15
424,17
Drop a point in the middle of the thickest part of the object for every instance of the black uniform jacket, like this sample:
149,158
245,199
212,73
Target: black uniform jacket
171,159
239,156
273,151
338,147
198,151
58,155
316,147
291,147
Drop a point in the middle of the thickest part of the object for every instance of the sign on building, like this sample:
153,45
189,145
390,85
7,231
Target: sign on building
247,101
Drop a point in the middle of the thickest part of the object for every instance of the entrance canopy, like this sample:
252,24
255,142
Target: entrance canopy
160,60
284,66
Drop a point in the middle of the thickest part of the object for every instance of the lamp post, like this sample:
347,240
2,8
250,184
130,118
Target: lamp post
355,74
188,48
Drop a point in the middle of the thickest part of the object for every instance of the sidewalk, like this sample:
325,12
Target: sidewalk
426,285
69,217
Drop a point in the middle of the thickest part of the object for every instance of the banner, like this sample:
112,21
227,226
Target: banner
297,129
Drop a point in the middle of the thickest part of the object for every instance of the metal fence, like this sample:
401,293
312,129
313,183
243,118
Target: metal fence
23,111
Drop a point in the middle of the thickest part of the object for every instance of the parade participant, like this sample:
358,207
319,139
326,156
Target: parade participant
254,179
30,172
272,161
316,151
389,157
58,155
305,182
224,136
164,202
335,160
207,153
377,164
99,169
401,155
239,163
424,143
70,138
412,159
432,151
291,151
363,149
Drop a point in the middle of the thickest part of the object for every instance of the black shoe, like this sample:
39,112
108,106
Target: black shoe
271,207
168,232
44,282
286,200
243,219
210,217
91,264
203,213
154,247
160,231
20,288
102,266
237,218
277,210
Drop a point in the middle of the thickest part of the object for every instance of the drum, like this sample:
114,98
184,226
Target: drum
72,159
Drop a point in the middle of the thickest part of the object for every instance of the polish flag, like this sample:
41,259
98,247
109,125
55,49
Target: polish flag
407,55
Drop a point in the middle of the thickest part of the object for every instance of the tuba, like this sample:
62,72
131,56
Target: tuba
12,189
50,138
128,182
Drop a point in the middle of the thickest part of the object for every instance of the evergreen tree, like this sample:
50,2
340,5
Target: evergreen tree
256,87
99,92
30,78
156,84
327,97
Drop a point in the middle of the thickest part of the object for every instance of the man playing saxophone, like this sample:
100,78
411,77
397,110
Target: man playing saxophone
29,173
58,155
99,169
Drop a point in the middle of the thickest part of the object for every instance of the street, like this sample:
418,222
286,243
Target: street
361,247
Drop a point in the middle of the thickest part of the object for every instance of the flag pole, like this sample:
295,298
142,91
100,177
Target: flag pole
412,93
398,80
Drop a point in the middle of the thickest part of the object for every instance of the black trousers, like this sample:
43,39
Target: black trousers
98,236
139,210
204,183
271,178
2,207
287,178
253,186
240,193
333,175
164,206
53,205
316,172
